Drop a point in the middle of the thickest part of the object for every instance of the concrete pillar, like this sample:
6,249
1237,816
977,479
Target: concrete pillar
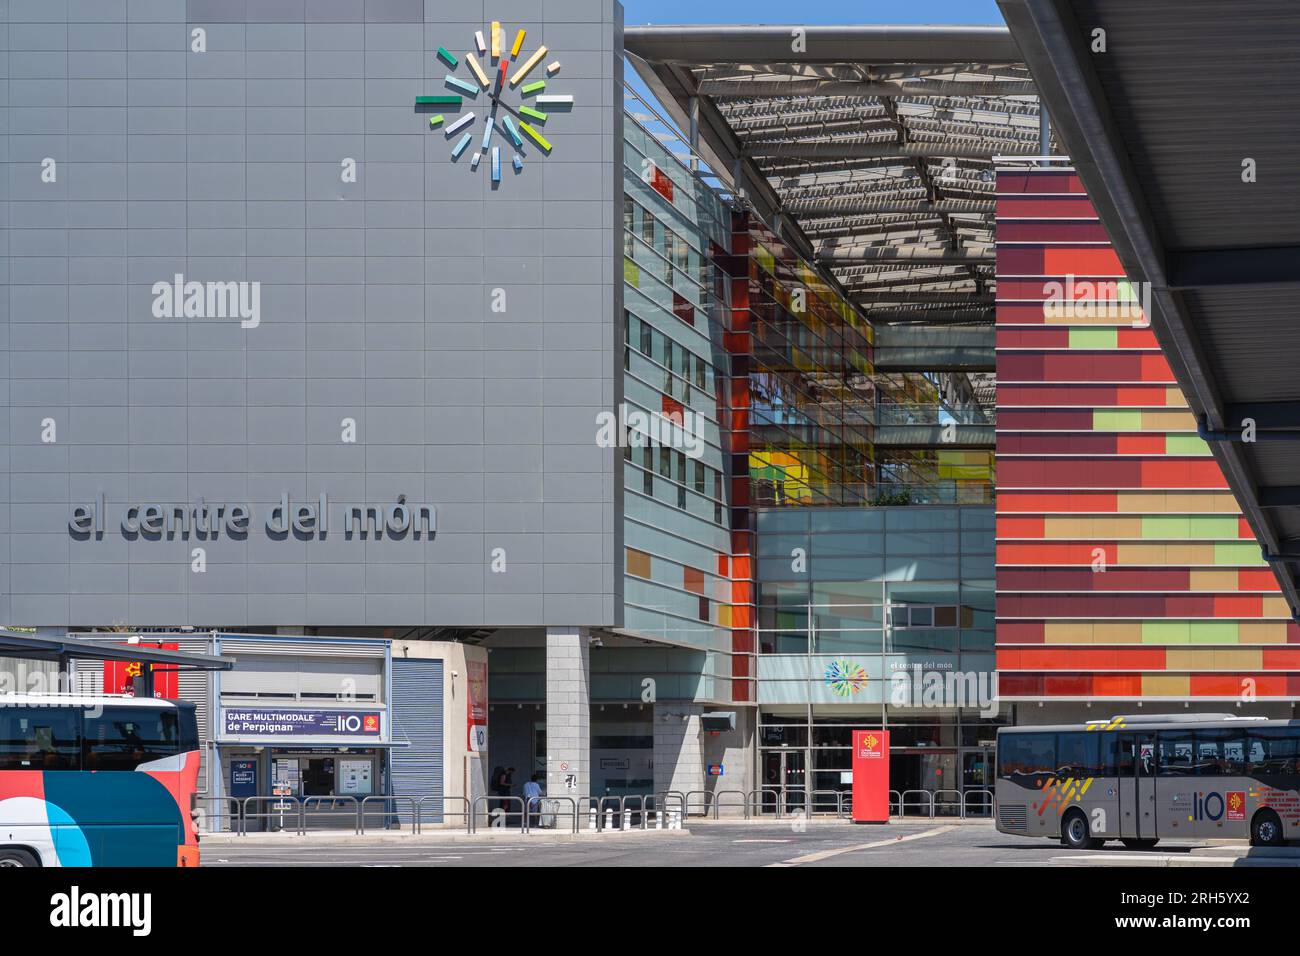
678,759
568,712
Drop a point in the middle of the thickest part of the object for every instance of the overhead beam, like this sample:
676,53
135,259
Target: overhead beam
766,89
931,317
853,206
1279,496
1265,415
702,44
927,298
903,254
834,150
1209,268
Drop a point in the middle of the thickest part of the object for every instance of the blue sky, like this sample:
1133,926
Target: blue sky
811,11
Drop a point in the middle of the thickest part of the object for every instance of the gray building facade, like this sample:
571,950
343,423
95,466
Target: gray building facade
254,287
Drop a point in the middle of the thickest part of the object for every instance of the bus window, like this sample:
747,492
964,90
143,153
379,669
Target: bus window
1022,757
1176,751
1078,755
39,738
122,738
1220,753
1273,750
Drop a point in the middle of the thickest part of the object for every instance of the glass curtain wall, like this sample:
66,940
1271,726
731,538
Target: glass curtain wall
880,617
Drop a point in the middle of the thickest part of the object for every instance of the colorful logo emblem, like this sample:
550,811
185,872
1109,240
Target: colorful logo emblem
371,724
1236,805
517,125
845,678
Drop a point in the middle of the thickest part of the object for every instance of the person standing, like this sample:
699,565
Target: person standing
532,798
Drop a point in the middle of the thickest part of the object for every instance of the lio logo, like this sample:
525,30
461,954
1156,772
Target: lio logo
1207,806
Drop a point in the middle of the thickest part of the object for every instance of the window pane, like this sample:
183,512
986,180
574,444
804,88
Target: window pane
1220,752
1021,756
1273,751
1077,755
39,738
122,738
1176,753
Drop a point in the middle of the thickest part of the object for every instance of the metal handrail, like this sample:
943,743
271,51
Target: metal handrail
271,812
717,802
902,806
333,811
666,808
708,801
837,794
569,800
934,800
590,807
895,803
624,814
986,808
393,799
419,811
231,810
760,803
508,801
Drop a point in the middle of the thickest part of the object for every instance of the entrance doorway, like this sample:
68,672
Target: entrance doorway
785,780
977,781
317,776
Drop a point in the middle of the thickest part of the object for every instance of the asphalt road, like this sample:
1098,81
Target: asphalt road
923,843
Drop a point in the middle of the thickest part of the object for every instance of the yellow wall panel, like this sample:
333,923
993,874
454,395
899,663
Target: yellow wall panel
1238,658
1276,606
1168,421
1166,685
1261,632
1204,579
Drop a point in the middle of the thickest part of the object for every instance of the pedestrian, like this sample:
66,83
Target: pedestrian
498,787
533,798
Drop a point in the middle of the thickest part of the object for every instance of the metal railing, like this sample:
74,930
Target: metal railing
663,810
210,820
927,802
282,810
391,817
499,810
339,808
984,807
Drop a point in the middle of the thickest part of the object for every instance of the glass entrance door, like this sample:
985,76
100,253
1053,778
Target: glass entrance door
785,780
977,781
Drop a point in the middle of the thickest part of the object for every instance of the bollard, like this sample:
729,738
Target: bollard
659,820
675,820
591,819
627,819
609,818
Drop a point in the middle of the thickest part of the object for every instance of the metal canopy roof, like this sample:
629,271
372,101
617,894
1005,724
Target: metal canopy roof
1158,127
16,644
867,148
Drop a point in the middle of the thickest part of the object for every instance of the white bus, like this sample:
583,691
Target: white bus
1140,779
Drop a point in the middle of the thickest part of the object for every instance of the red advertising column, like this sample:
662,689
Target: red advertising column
870,776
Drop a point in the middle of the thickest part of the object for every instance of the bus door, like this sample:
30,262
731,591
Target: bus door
1137,786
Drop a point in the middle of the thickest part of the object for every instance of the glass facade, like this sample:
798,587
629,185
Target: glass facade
678,556
876,617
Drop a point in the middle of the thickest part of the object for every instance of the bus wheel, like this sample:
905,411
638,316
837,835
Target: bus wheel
1133,843
15,857
1075,833
1266,829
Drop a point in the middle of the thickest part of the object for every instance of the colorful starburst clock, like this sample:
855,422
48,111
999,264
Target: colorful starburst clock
502,77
